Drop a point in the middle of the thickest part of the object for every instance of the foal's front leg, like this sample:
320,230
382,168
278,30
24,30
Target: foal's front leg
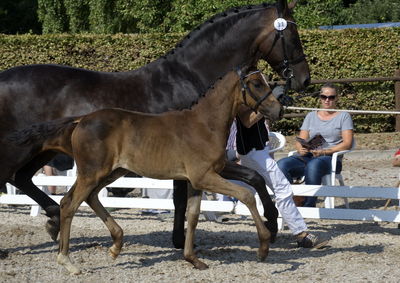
192,214
213,182
234,171
69,205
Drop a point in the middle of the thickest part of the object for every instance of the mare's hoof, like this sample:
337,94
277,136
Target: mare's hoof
178,240
53,228
178,245
273,229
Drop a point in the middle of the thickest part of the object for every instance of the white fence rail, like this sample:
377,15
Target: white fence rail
227,206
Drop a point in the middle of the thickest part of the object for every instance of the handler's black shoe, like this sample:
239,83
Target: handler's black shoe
312,241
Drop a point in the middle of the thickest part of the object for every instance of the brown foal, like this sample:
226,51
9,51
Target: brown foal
180,145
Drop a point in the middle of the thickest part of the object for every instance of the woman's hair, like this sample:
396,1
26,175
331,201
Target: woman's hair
331,85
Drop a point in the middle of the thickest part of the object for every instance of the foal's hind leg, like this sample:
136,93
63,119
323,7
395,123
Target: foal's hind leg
213,182
115,230
251,177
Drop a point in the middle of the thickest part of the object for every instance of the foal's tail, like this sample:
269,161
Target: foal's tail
51,135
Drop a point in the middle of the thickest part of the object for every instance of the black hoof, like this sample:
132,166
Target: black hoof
178,241
273,229
53,224
53,228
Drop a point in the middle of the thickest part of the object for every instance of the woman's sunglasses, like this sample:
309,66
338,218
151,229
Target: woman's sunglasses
324,97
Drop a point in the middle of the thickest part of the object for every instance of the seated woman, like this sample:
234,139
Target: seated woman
337,130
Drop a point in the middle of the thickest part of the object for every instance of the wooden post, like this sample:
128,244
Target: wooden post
397,98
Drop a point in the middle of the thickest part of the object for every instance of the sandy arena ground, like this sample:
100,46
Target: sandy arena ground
357,252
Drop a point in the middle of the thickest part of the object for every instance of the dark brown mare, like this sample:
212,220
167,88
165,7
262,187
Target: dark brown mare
238,37
109,143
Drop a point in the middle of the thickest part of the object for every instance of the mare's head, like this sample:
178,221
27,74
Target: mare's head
258,95
281,47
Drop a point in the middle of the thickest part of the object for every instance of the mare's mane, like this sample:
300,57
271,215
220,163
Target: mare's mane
233,14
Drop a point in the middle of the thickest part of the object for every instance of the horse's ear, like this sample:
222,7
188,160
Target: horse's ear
282,6
292,4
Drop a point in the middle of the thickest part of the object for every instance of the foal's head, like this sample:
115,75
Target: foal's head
258,95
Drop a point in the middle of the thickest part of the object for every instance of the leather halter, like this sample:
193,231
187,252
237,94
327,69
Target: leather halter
247,90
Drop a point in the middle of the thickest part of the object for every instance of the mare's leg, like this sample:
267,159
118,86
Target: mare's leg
193,211
23,181
213,182
251,177
180,203
115,230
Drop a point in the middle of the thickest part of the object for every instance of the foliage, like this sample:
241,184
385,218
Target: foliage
331,54
145,16
77,13
51,14
185,15
372,11
315,13
16,17
129,16
102,17
149,16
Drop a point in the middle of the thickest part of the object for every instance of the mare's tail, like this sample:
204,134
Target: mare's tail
51,135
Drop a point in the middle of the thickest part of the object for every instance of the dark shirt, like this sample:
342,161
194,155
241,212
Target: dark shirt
248,138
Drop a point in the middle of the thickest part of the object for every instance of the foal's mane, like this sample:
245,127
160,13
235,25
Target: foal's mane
233,14
208,91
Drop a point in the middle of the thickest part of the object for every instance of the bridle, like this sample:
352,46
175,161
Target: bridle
287,73
246,90
280,24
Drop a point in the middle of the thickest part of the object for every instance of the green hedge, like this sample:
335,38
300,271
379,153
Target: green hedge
331,54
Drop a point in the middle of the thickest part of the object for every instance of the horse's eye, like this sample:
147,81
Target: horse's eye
257,84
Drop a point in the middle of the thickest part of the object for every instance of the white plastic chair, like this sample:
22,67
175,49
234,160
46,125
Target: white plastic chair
330,179
276,142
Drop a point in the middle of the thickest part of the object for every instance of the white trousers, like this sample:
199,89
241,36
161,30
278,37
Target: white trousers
261,161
